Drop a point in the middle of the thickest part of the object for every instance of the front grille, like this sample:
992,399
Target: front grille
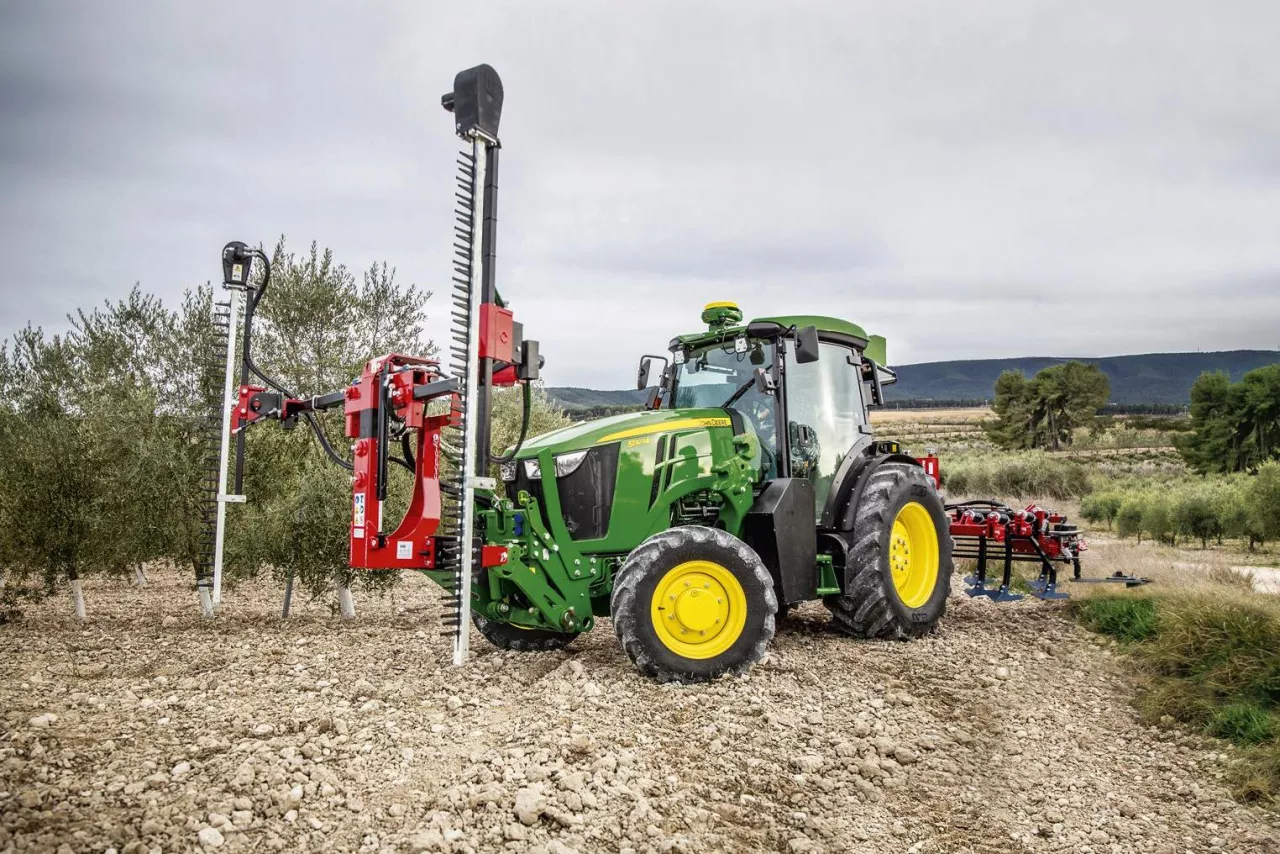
586,495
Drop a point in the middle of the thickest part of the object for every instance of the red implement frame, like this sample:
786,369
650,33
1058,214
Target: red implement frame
392,390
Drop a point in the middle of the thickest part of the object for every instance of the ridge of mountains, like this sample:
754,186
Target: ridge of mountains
1143,379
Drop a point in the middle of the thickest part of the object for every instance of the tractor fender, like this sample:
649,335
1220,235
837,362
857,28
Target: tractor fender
851,478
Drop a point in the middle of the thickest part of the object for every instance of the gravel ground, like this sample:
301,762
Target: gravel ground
149,729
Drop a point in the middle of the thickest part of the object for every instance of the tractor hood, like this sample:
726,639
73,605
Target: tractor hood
632,425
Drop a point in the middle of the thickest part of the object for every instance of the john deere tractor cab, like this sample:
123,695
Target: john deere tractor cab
751,481
702,517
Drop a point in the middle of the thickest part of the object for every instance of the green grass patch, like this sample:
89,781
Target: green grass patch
1243,722
1128,619
1213,664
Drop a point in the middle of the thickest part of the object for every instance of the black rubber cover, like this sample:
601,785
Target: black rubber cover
780,528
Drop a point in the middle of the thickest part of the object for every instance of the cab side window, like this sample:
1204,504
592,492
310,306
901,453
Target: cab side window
825,415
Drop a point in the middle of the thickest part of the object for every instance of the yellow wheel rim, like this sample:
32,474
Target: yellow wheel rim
699,609
913,555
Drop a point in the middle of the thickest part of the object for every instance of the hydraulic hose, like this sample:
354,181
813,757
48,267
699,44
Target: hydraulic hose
524,427
250,308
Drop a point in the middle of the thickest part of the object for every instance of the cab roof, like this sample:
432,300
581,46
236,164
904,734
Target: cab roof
828,327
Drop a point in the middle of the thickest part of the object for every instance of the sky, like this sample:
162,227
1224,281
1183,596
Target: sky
971,180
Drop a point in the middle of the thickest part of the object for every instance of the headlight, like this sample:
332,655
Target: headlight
567,464
531,470
507,471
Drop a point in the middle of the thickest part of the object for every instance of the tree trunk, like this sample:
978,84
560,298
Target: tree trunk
77,594
206,602
139,576
346,604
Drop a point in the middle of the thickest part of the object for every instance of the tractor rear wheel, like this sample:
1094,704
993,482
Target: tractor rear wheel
693,603
898,572
518,639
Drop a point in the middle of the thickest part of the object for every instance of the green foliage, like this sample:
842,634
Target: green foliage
1101,507
1129,517
1244,722
1263,500
1156,518
1235,426
305,529
1128,619
1195,514
101,451
1044,412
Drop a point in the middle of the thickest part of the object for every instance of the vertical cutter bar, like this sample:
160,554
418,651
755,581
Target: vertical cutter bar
229,399
471,415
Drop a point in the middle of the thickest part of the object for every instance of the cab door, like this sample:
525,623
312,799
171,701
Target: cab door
826,415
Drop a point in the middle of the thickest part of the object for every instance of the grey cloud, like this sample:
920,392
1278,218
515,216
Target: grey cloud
972,180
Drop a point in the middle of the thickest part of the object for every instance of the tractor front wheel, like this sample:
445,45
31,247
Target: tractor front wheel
693,603
898,574
519,639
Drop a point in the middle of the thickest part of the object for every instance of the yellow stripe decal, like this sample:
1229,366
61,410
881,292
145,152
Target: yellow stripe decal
680,424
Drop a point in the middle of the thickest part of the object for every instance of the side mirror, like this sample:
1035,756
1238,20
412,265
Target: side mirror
807,345
642,375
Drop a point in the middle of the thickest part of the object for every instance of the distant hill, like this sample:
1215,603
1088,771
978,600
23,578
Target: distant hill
1163,378
1150,378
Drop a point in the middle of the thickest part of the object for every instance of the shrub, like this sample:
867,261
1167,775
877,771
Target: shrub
1101,507
1129,517
1032,474
1196,515
1156,519
1264,503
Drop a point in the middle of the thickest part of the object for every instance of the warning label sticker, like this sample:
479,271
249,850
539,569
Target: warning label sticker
358,521
404,550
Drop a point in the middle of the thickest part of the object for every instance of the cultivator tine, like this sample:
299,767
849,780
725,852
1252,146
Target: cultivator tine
978,581
1003,592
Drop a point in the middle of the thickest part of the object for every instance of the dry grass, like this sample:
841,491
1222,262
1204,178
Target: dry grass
930,416
1170,568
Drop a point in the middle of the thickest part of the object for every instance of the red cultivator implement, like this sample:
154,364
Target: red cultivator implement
986,529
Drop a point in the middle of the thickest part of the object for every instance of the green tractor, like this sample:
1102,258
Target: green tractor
752,482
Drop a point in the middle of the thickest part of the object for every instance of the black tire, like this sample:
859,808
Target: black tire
871,606
637,582
508,636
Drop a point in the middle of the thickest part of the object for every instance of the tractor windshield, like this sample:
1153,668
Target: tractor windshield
716,376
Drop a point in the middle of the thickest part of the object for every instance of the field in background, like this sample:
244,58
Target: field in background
1203,637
